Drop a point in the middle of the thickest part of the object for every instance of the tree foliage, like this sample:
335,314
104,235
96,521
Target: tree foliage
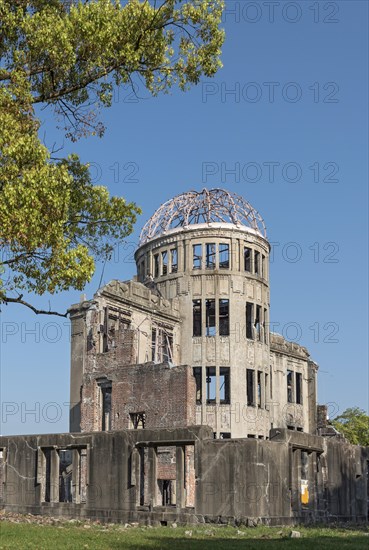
353,424
69,56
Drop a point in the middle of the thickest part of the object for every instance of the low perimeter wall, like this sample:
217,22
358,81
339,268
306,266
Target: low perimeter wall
184,475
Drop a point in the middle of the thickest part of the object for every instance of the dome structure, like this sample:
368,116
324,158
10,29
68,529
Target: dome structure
205,207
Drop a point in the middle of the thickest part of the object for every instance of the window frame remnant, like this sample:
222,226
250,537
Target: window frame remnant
223,317
196,318
249,320
197,256
211,386
161,345
210,255
224,257
167,347
210,317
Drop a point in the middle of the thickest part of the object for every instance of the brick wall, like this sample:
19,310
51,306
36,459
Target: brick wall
166,395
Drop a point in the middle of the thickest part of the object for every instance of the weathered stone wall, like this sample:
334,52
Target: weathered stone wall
244,480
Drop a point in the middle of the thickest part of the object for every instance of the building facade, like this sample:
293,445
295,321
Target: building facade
200,299
184,405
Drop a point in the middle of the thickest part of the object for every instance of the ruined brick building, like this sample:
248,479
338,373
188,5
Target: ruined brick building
183,404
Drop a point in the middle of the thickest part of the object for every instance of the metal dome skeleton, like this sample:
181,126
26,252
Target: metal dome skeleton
206,206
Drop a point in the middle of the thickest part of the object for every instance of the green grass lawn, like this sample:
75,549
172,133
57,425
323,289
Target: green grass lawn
74,537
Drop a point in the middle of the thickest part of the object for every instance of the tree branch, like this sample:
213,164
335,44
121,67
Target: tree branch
19,300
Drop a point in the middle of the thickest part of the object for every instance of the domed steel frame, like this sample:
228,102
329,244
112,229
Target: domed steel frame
206,206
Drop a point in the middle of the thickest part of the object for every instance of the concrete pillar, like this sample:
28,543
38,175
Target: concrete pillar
76,497
180,480
54,475
152,484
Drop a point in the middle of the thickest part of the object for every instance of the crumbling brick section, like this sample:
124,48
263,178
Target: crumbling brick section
166,463
165,395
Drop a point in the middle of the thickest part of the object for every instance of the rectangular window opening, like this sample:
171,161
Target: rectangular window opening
210,317
197,256
259,389
164,262
106,390
197,372
265,326
249,320
258,323
166,471
210,385
173,260
224,256
197,321
138,420
250,375
257,262
298,388
224,317
224,385
210,255
47,484
154,351
290,386
156,265
65,475
247,258
304,465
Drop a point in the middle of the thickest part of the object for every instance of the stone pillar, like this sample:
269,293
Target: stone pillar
180,482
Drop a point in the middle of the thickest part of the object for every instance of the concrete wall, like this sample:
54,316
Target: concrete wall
292,478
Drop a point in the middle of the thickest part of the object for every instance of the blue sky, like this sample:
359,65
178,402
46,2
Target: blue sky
285,124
